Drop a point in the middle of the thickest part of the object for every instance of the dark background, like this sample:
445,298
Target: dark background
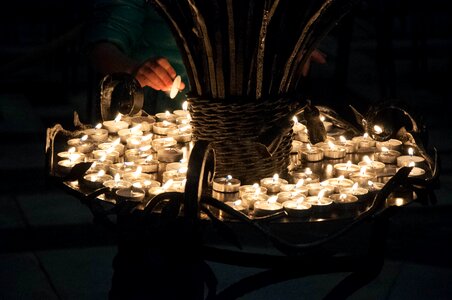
49,246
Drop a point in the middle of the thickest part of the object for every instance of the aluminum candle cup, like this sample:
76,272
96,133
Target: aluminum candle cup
180,135
237,205
306,174
131,194
146,185
350,146
333,151
166,116
362,179
122,168
372,165
174,175
114,185
111,155
225,197
320,206
416,172
294,188
315,188
391,144
250,199
94,181
161,143
124,134
361,193
297,208
364,141
387,156
346,203
137,177
406,160
273,184
98,165
226,184
146,122
162,128
72,155
169,155
338,183
97,135
265,208
82,145
148,165
345,169
312,154
251,189
114,126
118,147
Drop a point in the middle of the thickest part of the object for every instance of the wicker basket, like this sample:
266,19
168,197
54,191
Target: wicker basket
236,130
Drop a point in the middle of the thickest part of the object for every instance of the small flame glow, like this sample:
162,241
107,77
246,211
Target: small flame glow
116,142
331,145
117,177
275,177
295,119
355,187
384,149
182,170
322,118
300,200
101,173
410,151
299,183
411,164
71,150
366,135
137,172
363,170
343,196
343,139
367,160
103,158
84,138
309,147
340,178
348,164
308,171
167,184
237,202
228,178
370,183
135,129
378,129
149,158
118,118
98,126
272,199
321,193
185,106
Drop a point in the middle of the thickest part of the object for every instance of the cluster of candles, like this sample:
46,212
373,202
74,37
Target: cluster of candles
135,158
334,185
139,157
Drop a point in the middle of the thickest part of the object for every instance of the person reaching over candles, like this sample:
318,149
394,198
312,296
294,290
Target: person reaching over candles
128,36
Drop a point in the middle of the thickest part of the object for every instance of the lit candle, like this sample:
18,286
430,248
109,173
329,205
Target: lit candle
345,169
333,151
166,116
320,205
297,208
146,122
113,126
405,160
350,146
374,187
123,167
312,154
169,155
265,208
97,134
364,141
346,203
73,158
375,166
131,194
306,174
176,165
179,174
114,185
251,189
137,154
109,153
94,180
237,205
391,144
71,152
315,188
298,187
124,134
273,184
357,191
137,176
339,183
148,164
363,176
82,144
156,190
116,145
160,143
300,131
415,171
226,184
182,113
387,156
328,125
181,134
251,198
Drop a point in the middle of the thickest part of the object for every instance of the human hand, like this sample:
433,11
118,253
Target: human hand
157,73
316,56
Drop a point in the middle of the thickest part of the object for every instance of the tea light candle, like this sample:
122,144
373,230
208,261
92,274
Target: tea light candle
115,145
148,164
94,181
163,127
298,187
306,174
300,132
182,112
251,189
65,166
101,164
273,184
297,208
180,174
357,191
333,151
387,156
181,134
364,141
327,124
226,184
169,155
251,198
82,144
113,126
156,190
339,183
121,168
146,122
343,199
131,194
312,154
315,188
265,208
375,166
137,176
345,169
347,203
124,134
415,171
405,160
110,154
133,155
166,142
237,205
374,187
146,184
320,205
350,146
114,185
363,176
97,134
71,154
166,116
176,165
391,144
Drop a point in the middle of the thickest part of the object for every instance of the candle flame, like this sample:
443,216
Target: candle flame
228,178
185,106
399,201
103,158
144,148
137,185
331,145
322,118
272,199
182,170
118,118
410,151
101,173
355,187
384,149
167,184
362,171
370,183
165,123
348,164
366,135
300,199
137,172
74,157
411,164
149,158
116,142
321,193
275,177
117,177
329,168
367,160
378,129
343,196
295,119
98,126
256,186
308,171
342,139
84,138
299,183
135,128
71,150
237,202
340,178
146,137
309,147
